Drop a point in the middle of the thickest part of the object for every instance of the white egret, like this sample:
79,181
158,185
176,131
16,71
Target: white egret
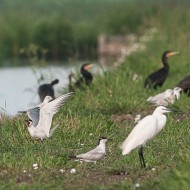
145,130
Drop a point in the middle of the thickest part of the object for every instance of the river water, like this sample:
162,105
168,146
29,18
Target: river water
18,89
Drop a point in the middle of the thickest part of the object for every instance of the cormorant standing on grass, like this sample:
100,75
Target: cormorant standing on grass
86,78
47,90
185,85
157,78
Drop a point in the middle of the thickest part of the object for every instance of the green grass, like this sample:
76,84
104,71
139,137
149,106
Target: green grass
93,111
99,110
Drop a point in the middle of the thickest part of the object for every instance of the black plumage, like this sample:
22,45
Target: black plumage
158,78
47,90
185,85
85,79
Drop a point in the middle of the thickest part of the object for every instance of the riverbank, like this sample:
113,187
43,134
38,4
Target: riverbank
101,110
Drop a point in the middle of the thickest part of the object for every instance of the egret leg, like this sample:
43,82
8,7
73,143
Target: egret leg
141,157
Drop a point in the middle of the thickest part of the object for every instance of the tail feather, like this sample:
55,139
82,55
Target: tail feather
56,81
52,130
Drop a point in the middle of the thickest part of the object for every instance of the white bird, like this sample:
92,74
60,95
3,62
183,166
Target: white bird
40,118
145,130
177,91
46,100
93,155
167,97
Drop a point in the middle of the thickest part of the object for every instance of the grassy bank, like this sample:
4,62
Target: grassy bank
101,110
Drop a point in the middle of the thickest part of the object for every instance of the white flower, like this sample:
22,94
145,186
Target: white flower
35,168
90,134
137,185
62,170
73,170
82,144
35,165
24,171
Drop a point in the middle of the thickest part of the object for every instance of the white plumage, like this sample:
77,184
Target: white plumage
167,97
93,155
145,130
40,118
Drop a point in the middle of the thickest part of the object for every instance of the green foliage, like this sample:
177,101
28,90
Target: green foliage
99,110
69,29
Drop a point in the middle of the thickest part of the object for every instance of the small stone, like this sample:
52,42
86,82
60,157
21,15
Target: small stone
137,185
153,169
34,165
61,170
73,170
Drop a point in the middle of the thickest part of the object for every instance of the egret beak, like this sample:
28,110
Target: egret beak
173,110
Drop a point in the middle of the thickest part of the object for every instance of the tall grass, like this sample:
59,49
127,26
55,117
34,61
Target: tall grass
89,114
69,28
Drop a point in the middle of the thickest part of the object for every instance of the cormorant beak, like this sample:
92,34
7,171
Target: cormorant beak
89,66
172,53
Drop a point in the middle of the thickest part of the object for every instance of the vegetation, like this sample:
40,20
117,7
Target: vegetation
68,29
99,111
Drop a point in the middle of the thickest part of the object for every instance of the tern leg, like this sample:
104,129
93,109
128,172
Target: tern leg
141,157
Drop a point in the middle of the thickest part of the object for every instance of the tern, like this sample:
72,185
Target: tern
95,154
145,130
165,98
40,118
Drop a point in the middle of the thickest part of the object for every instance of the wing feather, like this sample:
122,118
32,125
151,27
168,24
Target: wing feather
142,132
48,111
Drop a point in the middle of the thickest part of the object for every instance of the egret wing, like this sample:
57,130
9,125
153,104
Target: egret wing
142,132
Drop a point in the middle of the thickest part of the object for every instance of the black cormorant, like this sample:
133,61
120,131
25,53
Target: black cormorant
157,78
85,79
185,85
47,90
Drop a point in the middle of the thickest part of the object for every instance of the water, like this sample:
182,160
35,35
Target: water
18,89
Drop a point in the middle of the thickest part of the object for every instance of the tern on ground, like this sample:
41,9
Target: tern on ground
40,119
165,98
93,155
145,130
